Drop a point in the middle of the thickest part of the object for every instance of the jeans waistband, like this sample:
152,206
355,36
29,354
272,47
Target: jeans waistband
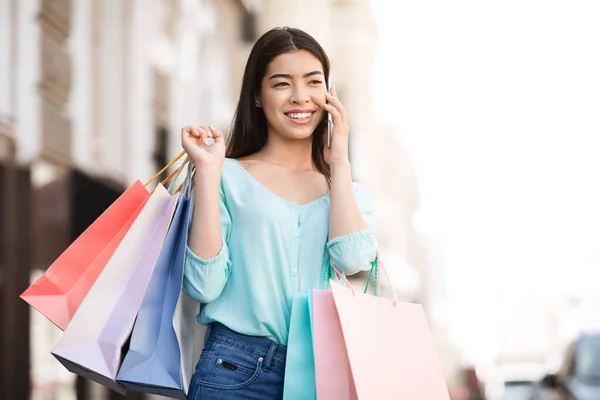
271,350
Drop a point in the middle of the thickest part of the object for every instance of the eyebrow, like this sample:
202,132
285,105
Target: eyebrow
288,76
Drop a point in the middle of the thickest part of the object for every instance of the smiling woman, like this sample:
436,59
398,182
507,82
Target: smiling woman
281,75
268,217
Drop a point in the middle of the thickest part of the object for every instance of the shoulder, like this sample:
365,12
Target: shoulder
230,170
233,177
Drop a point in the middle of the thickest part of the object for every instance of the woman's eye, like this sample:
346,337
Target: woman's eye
281,84
315,82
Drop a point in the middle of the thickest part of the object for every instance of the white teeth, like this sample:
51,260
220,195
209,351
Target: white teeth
299,115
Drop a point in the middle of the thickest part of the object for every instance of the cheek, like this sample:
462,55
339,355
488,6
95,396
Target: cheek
274,101
318,96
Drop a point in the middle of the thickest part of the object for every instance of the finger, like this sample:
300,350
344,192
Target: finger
335,101
217,135
203,133
335,114
189,131
206,135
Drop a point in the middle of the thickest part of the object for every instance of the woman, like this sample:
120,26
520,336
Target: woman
268,217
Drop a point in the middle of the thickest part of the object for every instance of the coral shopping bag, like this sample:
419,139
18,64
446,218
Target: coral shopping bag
59,292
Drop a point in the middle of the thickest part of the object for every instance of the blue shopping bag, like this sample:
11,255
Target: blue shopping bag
160,356
299,381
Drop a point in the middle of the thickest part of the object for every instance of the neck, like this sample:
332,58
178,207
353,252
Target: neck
295,154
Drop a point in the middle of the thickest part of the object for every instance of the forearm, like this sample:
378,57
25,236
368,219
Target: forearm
205,238
344,216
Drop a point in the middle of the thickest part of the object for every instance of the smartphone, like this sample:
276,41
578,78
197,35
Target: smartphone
329,118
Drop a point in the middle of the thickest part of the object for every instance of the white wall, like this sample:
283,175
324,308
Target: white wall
28,103
6,59
81,104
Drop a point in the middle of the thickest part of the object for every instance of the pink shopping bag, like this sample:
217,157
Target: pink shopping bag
390,348
332,367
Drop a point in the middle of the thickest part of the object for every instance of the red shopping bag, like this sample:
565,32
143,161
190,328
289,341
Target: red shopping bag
389,345
62,288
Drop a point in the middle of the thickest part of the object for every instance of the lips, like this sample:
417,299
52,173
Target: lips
300,116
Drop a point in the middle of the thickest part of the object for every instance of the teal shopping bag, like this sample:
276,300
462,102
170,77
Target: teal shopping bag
300,363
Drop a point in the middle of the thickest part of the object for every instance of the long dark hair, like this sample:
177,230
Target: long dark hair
248,133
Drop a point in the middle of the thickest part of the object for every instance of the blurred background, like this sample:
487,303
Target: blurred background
476,126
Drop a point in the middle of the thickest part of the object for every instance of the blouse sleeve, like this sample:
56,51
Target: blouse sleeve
355,251
204,280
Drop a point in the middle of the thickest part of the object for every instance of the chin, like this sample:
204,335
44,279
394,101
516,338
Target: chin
294,132
299,134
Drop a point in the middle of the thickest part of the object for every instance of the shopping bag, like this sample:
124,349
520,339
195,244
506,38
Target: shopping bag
299,380
92,343
161,357
333,375
59,292
390,347
332,368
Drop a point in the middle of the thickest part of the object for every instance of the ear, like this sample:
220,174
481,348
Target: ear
257,102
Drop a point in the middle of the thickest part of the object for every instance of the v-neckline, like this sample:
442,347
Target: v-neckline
257,182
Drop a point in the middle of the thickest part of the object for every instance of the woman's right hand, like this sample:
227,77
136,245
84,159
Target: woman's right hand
195,139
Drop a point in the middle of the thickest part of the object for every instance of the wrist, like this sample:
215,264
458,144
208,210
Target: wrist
341,171
342,166
207,175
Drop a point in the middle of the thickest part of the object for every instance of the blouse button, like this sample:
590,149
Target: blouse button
295,234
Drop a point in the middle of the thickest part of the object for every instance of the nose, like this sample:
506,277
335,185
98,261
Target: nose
300,95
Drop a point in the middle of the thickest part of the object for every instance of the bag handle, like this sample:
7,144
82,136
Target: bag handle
376,264
377,282
168,178
175,174
188,184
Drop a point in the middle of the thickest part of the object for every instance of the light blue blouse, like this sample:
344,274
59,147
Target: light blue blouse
272,249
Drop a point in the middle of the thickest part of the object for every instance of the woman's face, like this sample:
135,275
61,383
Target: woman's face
293,94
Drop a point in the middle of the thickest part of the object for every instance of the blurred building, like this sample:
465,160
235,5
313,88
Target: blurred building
93,94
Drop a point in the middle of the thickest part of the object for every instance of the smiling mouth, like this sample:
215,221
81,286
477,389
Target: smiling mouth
303,116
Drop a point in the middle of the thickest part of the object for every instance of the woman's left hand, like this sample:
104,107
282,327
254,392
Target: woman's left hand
338,152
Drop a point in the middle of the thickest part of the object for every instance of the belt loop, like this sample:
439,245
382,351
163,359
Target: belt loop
270,355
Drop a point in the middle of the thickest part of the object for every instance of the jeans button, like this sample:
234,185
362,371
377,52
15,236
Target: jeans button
219,361
260,359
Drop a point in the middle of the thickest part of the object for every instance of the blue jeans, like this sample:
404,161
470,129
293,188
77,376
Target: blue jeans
236,366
